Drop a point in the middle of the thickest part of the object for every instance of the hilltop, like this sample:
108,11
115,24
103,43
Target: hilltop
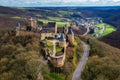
19,53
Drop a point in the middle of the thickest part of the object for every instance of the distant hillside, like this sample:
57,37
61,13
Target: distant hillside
113,39
114,20
10,16
110,15
6,22
11,11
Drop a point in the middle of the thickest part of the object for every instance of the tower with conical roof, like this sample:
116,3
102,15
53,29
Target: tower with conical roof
62,40
17,29
65,29
70,36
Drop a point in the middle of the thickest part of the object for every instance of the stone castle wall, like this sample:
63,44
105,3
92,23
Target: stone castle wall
71,38
57,61
62,43
44,35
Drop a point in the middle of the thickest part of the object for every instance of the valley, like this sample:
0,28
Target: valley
59,43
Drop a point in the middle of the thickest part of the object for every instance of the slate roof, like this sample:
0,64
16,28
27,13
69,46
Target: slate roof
58,35
70,31
45,31
51,24
62,37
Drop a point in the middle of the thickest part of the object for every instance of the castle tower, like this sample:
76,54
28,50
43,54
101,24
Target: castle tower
36,25
17,29
62,40
52,26
55,28
32,23
65,28
70,36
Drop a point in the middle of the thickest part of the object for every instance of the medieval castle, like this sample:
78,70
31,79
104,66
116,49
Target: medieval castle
54,40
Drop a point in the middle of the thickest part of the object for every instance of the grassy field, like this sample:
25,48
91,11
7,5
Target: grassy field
50,45
57,76
59,23
75,55
64,13
109,29
58,48
56,19
16,17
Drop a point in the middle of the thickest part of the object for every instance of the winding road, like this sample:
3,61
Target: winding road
88,30
78,71
81,65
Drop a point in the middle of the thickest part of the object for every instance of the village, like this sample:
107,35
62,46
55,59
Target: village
93,23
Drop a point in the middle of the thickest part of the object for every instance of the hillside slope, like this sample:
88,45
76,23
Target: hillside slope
10,16
114,20
112,39
103,62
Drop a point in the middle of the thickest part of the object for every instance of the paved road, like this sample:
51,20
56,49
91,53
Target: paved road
81,65
88,30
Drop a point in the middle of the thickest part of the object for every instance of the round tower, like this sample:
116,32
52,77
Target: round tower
17,29
70,36
62,40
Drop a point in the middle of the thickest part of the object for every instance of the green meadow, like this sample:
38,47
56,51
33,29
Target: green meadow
16,17
59,23
109,29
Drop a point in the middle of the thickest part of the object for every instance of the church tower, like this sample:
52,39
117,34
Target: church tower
70,36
